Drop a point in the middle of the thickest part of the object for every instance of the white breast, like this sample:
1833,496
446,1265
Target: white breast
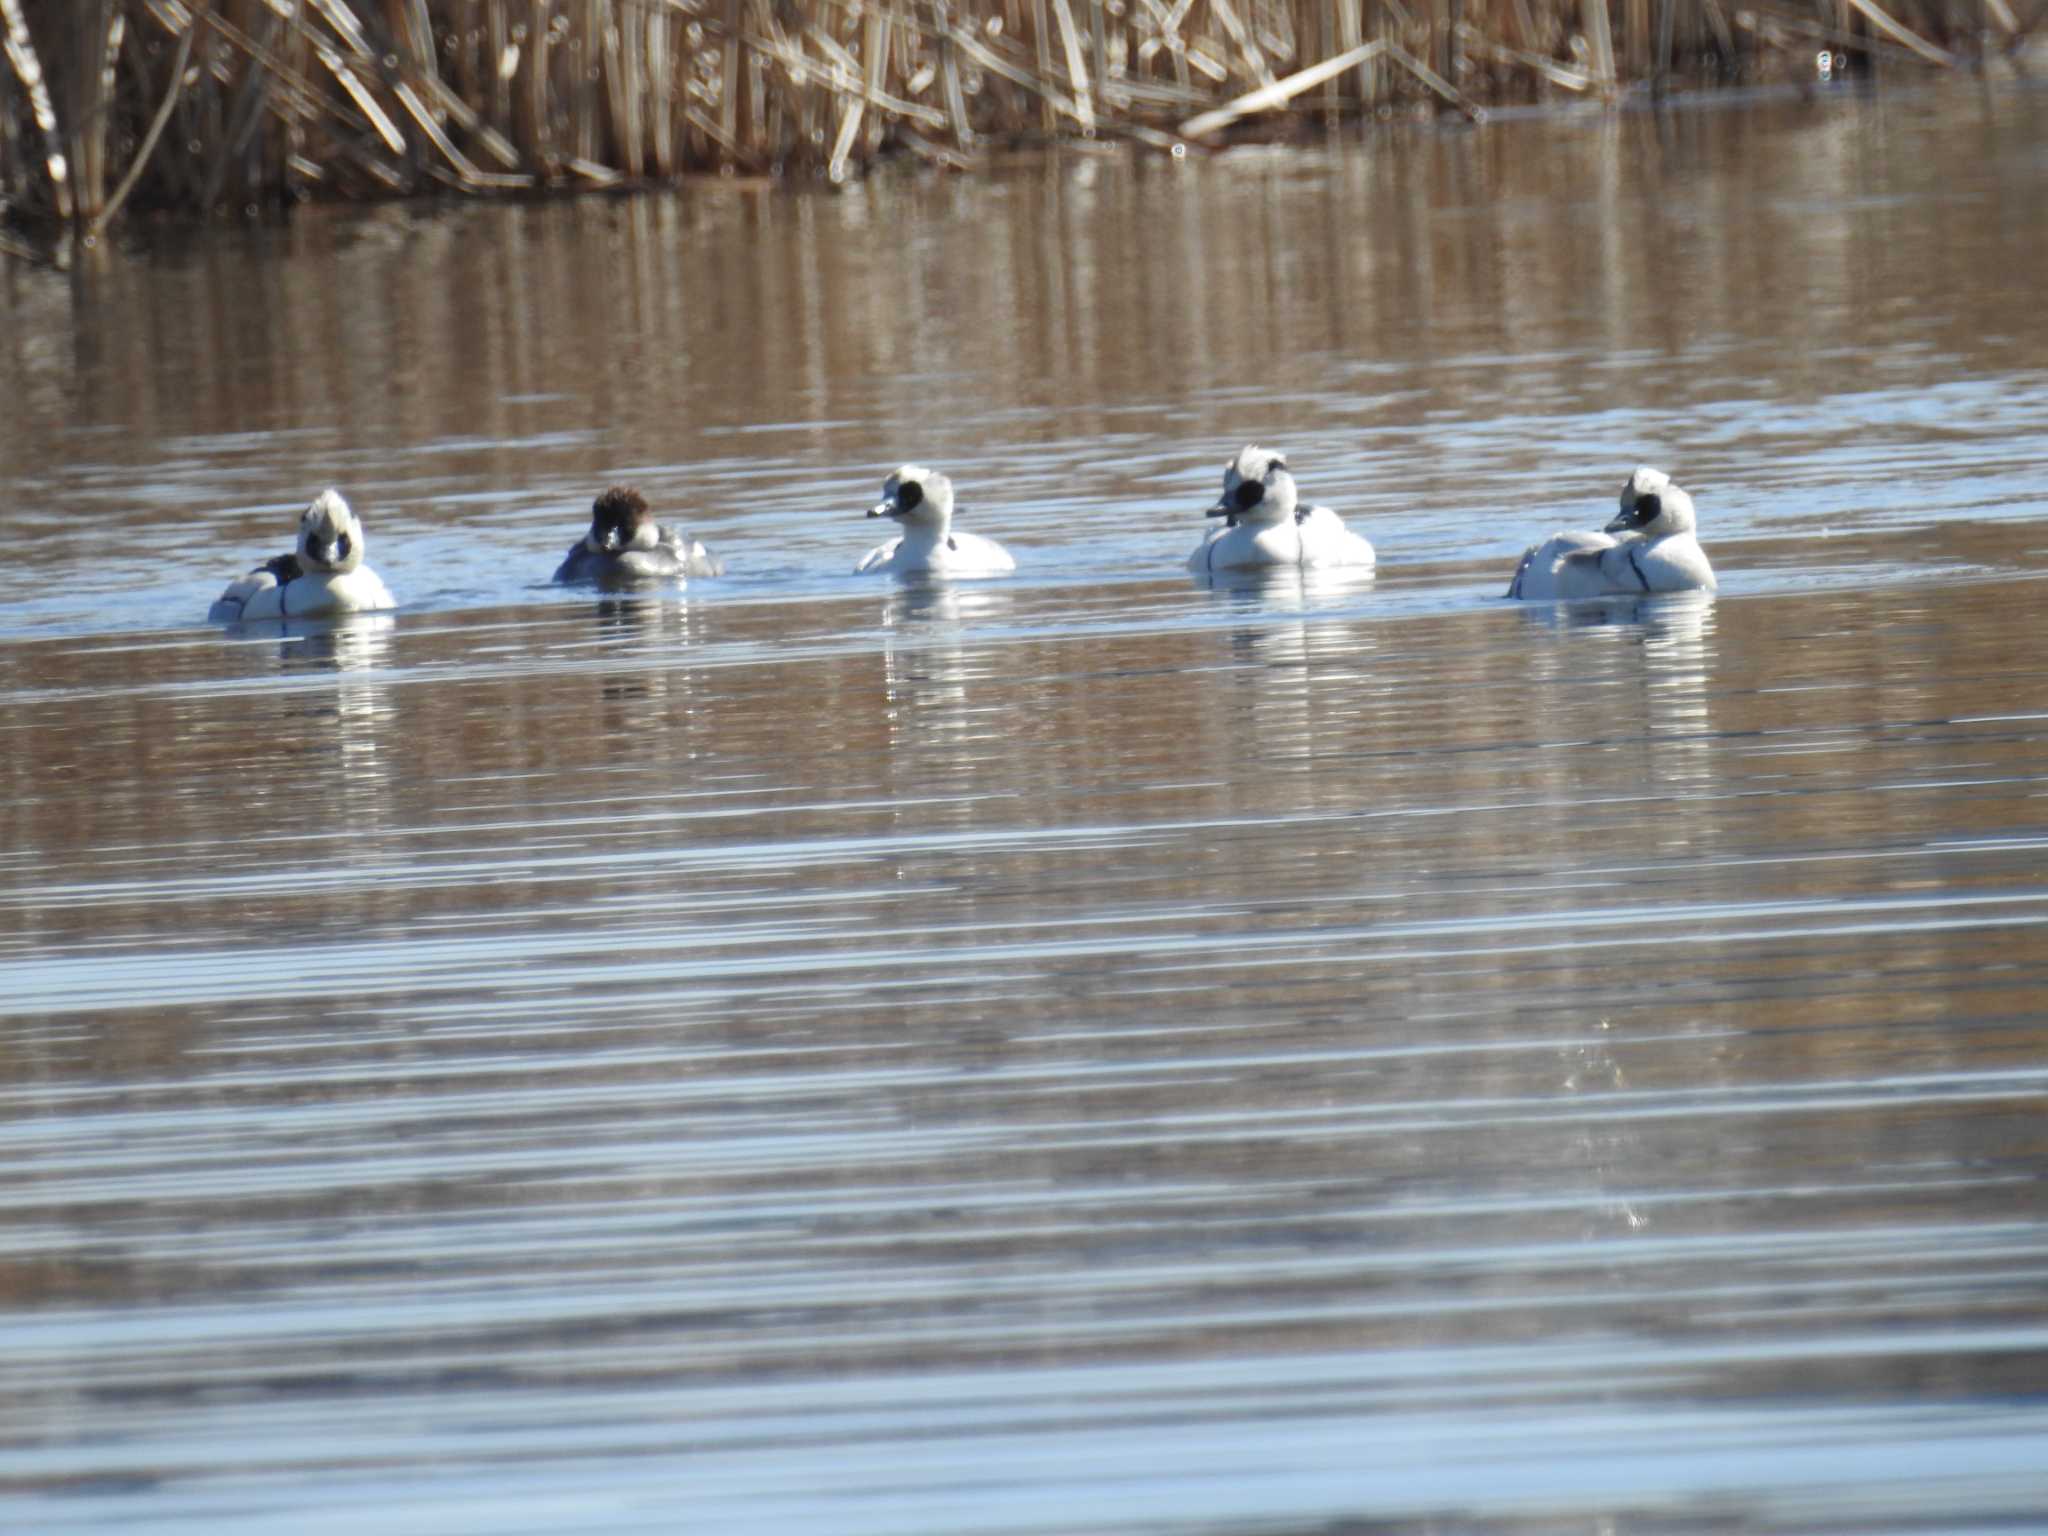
1319,539
959,554
309,596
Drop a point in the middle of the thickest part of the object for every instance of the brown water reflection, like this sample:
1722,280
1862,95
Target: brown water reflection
1822,315
1084,1052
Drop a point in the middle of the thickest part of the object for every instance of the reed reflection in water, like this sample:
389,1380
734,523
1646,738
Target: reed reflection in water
1816,317
1087,1051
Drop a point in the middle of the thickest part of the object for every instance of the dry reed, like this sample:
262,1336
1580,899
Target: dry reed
200,104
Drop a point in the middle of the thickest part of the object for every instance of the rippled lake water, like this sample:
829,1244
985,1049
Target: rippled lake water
1087,1051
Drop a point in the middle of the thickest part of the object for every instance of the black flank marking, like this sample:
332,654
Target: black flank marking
1635,564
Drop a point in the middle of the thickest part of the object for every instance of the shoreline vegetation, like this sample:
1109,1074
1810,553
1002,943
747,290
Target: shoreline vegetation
109,107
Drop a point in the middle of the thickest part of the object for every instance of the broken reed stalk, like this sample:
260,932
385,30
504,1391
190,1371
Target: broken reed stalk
197,104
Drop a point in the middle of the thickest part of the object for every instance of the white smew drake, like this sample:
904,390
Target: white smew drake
626,545
323,576
1265,525
1650,546
921,501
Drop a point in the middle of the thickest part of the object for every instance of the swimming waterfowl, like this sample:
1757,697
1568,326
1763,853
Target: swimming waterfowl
1650,546
1265,525
625,545
324,575
921,501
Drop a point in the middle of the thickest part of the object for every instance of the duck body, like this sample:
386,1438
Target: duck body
625,546
921,500
1266,525
1650,546
958,554
279,590
322,577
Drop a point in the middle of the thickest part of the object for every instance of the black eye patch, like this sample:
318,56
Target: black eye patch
1249,494
1649,508
342,546
909,497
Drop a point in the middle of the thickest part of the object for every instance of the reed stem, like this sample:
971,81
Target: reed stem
191,104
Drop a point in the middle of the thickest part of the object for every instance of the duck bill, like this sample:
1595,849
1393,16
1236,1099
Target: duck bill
1221,509
1625,523
885,509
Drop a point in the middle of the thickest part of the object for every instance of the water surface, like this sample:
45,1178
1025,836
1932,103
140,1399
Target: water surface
1086,1051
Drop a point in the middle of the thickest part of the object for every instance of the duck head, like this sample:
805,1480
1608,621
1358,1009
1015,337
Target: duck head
620,520
1256,488
917,498
330,538
1652,506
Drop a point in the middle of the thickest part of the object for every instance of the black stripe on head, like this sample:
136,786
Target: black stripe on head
909,496
1249,494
